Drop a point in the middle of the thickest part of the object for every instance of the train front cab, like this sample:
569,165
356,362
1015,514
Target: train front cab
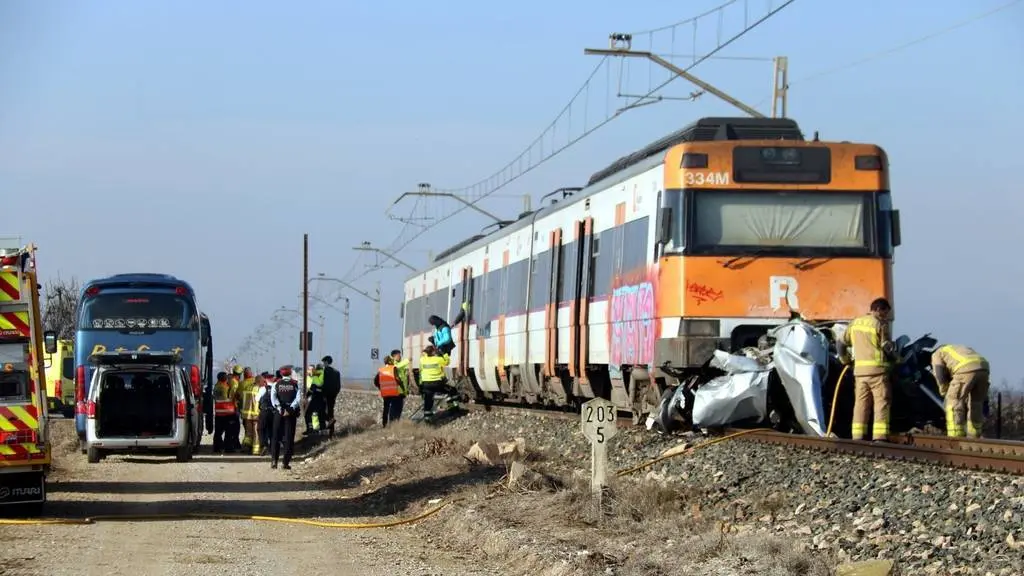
745,242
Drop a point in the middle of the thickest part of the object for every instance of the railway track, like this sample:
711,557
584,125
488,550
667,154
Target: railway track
990,455
973,454
1004,456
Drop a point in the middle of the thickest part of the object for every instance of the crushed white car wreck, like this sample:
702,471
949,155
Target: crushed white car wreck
791,382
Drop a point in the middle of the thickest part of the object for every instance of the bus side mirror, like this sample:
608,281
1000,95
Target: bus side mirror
664,225
50,341
896,236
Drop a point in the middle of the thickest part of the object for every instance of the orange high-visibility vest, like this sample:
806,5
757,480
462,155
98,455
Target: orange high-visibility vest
223,403
389,386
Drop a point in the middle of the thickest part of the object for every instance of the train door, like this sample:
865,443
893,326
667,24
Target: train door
551,316
583,290
467,300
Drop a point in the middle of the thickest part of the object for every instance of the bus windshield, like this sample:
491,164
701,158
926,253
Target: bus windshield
137,311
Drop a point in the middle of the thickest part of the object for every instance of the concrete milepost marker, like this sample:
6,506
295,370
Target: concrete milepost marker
599,422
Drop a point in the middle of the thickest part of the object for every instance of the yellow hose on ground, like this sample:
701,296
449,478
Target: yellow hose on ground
690,450
202,516
835,397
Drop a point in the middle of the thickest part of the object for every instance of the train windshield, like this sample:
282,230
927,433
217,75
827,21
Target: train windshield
138,311
784,223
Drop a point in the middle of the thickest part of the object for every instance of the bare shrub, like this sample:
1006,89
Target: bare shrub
60,306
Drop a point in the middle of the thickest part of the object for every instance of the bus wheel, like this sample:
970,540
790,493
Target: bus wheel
94,455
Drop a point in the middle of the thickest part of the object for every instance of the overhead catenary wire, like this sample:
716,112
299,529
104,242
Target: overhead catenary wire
509,173
888,52
882,54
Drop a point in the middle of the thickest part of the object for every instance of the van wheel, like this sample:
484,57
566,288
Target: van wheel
94,455
184,452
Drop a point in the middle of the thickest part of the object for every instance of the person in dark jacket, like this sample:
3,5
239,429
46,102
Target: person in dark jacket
286,397
331,388
266,418
442,337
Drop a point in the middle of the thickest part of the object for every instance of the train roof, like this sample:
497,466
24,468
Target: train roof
703,130
708,130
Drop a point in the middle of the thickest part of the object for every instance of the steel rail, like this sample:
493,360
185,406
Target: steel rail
972,445
930,452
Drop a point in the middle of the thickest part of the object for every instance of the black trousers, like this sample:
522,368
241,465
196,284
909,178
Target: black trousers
392,409
429,389
221,432
232,442
317,406
266,427
284,433
330,398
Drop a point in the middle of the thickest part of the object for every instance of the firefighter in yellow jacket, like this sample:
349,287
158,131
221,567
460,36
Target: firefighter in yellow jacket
963,378
870,337
433,380
250,412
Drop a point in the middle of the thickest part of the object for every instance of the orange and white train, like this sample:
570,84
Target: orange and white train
24,434
702,240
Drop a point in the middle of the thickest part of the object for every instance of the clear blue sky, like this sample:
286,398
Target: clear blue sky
203,138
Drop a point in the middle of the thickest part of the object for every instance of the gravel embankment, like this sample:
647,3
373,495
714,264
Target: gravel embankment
931,520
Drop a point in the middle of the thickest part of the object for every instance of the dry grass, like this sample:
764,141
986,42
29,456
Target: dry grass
551,525
64,439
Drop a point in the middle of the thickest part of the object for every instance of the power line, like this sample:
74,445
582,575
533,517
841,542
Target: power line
536,154
900,47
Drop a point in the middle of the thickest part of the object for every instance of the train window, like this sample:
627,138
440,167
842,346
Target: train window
634,246
567,284
604,264
455,302
540,281
502,291
515,293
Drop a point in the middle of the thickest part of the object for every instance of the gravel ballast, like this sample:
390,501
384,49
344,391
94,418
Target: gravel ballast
931,520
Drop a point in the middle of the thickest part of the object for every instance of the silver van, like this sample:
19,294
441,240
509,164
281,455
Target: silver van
141,402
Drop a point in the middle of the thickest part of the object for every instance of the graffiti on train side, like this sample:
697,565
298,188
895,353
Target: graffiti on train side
632,320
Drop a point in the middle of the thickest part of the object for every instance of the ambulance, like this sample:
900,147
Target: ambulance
59,362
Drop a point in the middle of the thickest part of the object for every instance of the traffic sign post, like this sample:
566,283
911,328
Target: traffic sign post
374,353
598,420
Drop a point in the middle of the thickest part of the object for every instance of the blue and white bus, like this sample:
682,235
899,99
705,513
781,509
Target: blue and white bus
141,312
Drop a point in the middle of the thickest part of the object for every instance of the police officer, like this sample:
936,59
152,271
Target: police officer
286,396
963,378
870,337
265,423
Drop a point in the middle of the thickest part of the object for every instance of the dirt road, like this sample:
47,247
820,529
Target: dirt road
208,484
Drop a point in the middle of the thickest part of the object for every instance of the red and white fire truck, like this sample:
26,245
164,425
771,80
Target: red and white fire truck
24,435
